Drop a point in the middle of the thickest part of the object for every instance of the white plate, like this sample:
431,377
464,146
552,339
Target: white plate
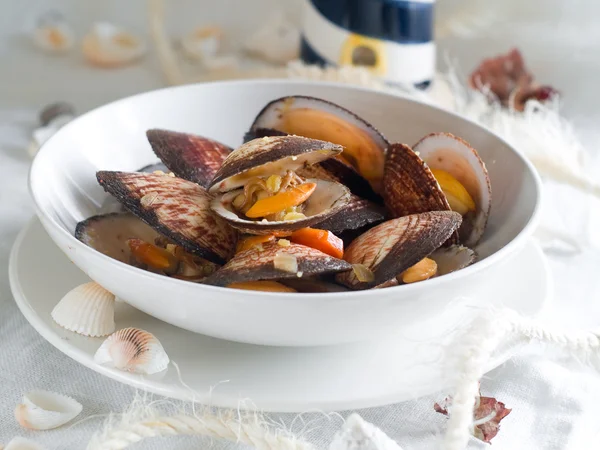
292,379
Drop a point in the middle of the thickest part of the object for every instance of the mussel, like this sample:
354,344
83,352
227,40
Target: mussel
441,173
364,146
258,189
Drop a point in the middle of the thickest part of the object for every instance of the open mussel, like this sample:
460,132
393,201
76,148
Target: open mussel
193,158
258,189
364,146
387,250
176,208
273,261
441,173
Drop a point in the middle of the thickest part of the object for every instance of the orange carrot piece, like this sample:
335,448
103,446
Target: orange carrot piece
253,241
265,286
283,200
151,255
322,240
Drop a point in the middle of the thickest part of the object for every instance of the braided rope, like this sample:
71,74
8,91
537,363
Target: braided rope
225,426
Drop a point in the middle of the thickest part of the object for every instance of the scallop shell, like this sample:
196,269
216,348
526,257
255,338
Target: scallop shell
106,45
53,34
202,43
447,152
176,208
20,443
108,233
451,259
44,410
133,350
272,155
89,309
277,41
259,264
193,158
393,246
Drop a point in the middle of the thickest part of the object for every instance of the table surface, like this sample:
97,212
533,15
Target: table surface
554,399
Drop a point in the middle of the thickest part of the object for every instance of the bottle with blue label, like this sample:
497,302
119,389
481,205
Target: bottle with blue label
392,38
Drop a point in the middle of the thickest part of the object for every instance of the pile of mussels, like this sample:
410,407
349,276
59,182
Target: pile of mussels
276,213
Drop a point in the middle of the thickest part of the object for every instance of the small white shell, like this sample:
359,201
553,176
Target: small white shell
109,46
44,410
89,309
202,43
277,42
20,443
133,350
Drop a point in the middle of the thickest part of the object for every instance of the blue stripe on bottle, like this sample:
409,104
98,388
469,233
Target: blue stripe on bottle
401,21
310,56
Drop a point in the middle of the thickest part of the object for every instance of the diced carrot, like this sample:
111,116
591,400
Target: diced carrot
253,241
265,286
283,200
322,240
150,254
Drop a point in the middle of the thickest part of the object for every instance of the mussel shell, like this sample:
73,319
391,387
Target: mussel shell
447,152
108,233
327,199
393,246
176,208
270,156
409,187
453,258
193,158
258,264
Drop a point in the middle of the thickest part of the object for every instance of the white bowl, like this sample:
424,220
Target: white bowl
65,191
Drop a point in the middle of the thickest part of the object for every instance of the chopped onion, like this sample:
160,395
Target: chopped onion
286,262
363,273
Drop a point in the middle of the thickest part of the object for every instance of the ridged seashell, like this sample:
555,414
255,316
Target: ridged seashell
193,158
108,233
277,41
272,155
133,350
44,410
20,443
316,118
393,246
89,309
176,208
53,34
453,258
444,151
106,45
202,43
259,264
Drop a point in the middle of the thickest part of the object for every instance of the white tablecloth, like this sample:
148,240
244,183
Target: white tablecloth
554,400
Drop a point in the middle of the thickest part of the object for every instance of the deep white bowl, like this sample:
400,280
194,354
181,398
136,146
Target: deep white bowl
112,137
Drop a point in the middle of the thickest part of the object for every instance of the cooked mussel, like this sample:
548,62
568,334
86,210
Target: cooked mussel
364,146
258,189
387,250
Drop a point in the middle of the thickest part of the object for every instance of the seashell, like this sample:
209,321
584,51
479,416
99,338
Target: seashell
278,41
53,34
106,45
108,233
453,258
176,208
89,309
20,443
193,158
364,146
44,410
202,43
446,152
393,246
133,350
259,264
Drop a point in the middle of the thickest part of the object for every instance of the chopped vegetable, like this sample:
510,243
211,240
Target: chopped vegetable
363,273
322,240
253,241
292,197
265,286
286,262
151,255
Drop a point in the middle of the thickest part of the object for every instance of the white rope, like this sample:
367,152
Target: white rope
223,426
